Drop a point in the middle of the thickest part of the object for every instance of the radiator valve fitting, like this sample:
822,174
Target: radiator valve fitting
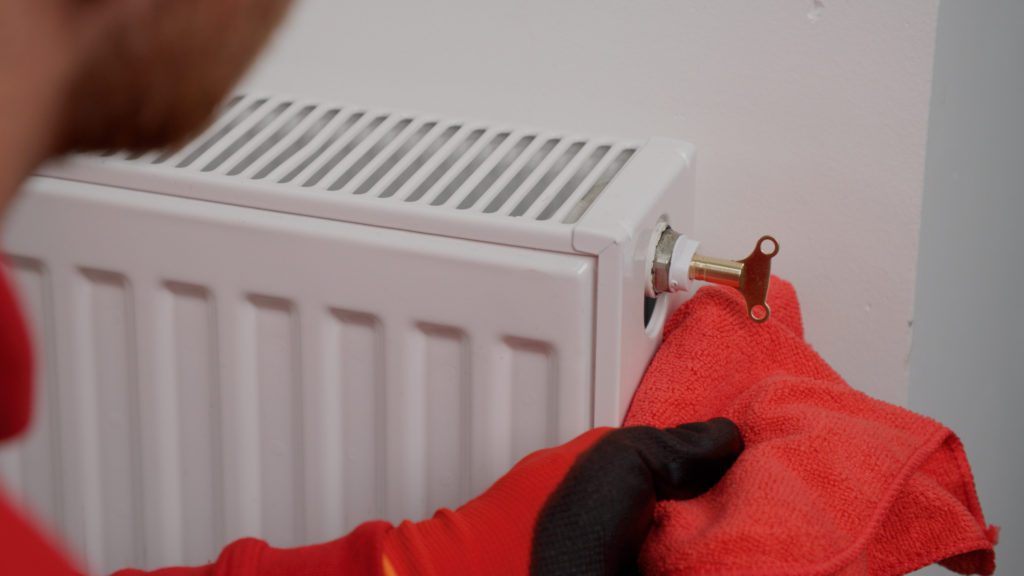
677,266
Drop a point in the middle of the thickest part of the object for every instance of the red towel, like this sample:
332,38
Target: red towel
831,482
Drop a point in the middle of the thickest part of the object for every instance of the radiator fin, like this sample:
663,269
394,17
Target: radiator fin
524,173
353,388
341,148
299,138
469,169
273,359
487,182
291,123
110,431
570,186
445,390
396,156
425,155
597,187
333,134
233,119
464,146
252,131
533,404
464,167
194,380
367,157
550,175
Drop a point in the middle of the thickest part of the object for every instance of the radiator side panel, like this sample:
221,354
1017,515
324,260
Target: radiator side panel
654,190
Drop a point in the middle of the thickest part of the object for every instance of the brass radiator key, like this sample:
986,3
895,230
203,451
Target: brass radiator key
677,264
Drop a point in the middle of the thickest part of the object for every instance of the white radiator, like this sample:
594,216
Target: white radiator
316,315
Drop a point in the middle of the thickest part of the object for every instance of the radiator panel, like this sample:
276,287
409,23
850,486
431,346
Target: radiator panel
230,372
317,314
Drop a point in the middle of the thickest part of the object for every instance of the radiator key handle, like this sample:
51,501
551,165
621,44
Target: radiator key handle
677,265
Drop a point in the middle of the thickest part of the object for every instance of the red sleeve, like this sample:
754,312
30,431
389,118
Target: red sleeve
24,549
357,553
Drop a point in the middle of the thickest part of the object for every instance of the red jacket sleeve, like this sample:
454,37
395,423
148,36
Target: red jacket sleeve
360,552
24,549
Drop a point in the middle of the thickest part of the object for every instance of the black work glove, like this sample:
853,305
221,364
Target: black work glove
596,520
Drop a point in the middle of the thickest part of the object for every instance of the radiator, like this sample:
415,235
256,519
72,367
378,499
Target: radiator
314,315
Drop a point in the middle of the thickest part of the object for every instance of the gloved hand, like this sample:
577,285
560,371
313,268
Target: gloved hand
581,508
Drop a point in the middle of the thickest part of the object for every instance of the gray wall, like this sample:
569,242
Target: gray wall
967,356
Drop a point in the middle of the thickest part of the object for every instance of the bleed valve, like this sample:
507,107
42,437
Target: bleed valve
677,265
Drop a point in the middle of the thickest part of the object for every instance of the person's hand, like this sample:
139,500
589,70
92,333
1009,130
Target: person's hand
581,508
597,519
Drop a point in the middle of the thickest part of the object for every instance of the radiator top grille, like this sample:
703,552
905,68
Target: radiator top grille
402,158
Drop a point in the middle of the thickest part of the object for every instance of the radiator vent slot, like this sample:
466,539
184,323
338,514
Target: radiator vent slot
410,160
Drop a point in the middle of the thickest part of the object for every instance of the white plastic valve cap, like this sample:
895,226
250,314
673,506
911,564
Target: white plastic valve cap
679,268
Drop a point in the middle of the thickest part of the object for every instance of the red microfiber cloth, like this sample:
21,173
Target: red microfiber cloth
832,481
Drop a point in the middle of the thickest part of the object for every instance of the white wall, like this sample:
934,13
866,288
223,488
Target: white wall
810,120
967,365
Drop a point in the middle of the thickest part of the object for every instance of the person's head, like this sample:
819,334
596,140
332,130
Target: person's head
102,74
149,73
